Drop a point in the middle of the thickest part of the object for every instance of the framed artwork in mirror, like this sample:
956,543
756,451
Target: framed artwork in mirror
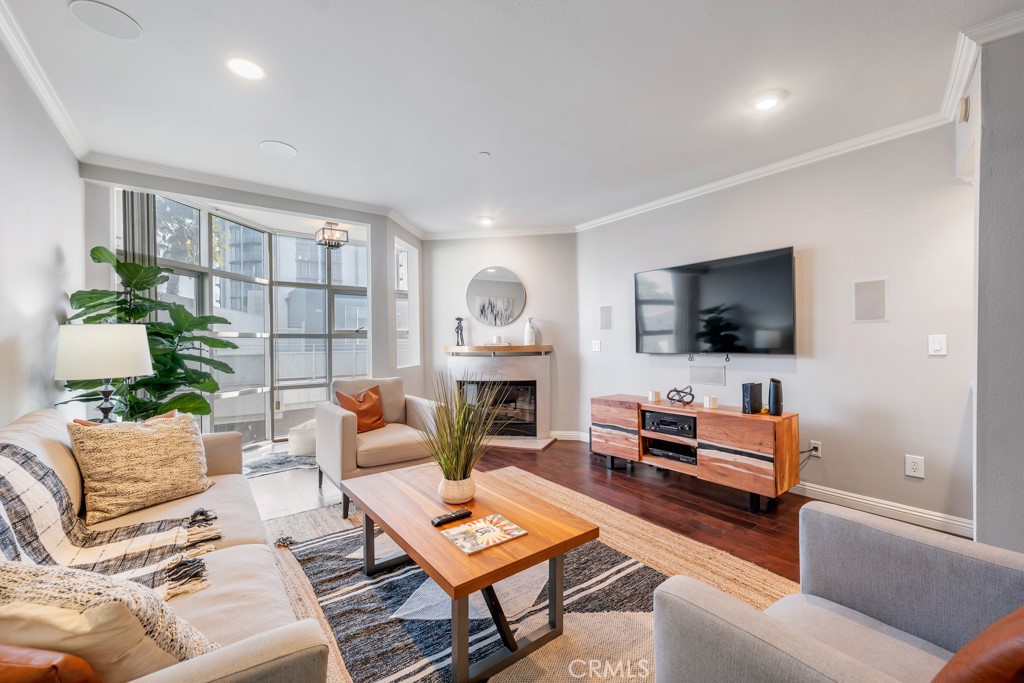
496,296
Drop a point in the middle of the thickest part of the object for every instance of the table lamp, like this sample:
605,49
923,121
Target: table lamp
102,352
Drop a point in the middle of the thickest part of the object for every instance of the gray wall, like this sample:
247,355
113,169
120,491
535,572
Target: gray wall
1000,464
869,392
547,267
43,253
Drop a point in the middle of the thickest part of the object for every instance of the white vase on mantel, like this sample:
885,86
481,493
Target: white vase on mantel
454,492
530,333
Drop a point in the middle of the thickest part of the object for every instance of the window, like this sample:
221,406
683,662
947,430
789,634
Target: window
239,249
298,312
407,307
320,321
219,266
299,259
178,233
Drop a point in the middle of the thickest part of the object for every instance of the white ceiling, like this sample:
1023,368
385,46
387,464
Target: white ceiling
588,106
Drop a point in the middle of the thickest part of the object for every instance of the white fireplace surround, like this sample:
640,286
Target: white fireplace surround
511,367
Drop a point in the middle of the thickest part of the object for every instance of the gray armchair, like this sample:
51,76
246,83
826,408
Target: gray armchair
342,453
879,600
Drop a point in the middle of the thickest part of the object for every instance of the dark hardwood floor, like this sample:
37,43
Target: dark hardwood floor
703,511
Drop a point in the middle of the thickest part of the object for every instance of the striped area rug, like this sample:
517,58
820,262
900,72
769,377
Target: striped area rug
394,626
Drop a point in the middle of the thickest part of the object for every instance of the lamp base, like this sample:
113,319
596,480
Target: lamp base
106,405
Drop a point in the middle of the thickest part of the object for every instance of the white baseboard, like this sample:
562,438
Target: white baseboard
571,436
885,508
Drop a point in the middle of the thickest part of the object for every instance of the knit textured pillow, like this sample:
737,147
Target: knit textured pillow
122,628
127,466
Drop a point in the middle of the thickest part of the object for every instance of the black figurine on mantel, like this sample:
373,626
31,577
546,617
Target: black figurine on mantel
459,341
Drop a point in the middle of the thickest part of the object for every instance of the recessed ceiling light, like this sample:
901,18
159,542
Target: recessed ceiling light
276,148
107,20
484,155
768,99
247,69
486,220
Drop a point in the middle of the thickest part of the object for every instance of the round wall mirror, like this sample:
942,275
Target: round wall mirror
495,296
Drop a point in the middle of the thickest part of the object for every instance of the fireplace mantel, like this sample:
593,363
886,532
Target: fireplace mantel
499,349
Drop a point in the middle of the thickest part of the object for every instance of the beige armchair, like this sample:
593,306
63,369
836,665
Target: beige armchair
342,453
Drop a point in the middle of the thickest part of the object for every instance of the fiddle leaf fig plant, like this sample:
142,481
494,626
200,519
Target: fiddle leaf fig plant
181,373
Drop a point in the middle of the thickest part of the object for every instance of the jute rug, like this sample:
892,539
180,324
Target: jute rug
402,610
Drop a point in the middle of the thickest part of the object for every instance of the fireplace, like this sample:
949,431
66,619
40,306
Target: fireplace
517,401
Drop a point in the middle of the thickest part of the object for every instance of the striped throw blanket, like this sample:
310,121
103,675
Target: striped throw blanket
38,525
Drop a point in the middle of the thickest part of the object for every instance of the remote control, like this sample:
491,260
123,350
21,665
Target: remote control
450,517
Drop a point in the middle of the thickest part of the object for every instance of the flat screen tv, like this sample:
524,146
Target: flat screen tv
742,304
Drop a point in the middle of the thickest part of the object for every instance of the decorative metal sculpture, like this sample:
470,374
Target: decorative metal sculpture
684,395
459,340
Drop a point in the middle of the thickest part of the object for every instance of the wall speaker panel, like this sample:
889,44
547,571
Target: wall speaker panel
871,301
606,317
707,374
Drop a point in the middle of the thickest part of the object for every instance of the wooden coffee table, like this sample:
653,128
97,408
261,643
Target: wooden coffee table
402,502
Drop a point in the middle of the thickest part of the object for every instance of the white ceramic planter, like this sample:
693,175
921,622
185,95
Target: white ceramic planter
457,491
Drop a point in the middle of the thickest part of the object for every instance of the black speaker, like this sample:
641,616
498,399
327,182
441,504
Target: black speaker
775,397
752,398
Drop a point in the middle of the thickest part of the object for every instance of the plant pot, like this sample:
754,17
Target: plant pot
459,491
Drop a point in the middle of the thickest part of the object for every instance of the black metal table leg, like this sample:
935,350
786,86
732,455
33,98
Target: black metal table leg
462,672
498,615
370,563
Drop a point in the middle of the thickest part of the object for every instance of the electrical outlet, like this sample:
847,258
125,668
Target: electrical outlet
915,466
816,449
596,345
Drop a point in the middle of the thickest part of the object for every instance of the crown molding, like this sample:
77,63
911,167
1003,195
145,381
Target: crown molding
968,49
1002,27
489,234
869,140
93,165
965,59
17,44
406,223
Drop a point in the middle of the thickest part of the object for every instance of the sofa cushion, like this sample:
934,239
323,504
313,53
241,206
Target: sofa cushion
891,651
128,466
44,433
122,628
230,498
245,596
995,654
389,445
367,407
392,394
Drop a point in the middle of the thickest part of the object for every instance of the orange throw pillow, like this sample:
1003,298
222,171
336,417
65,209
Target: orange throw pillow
367,406
995,654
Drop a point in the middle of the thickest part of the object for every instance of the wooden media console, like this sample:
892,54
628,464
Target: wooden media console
759,454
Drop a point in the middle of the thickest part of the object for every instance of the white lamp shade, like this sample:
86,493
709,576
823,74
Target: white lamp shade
102,352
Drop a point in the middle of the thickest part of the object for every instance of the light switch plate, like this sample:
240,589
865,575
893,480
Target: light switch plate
936,345
596,345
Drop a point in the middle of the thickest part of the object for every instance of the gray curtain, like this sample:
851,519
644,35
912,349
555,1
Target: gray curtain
140,228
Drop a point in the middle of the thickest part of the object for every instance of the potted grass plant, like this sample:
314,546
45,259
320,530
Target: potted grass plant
465,414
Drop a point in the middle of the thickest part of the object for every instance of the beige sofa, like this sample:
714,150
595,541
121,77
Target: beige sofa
342,453
245,608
